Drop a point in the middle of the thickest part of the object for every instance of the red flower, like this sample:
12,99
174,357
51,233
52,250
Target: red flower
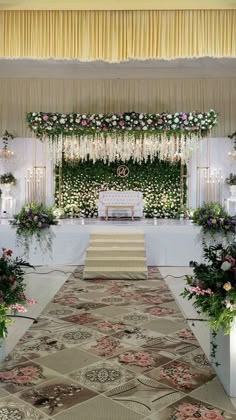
12,279
9,252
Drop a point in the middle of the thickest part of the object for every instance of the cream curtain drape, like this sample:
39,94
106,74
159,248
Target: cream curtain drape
117,35
18,96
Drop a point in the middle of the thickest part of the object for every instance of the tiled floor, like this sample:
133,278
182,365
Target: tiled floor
111,350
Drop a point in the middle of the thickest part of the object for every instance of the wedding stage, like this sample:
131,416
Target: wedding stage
169,242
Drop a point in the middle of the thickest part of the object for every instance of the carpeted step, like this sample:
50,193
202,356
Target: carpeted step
117,236
117,242
106,261
128,273
115,252
116,256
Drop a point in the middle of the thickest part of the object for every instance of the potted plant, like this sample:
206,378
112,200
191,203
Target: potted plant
12,292
213,289
231,181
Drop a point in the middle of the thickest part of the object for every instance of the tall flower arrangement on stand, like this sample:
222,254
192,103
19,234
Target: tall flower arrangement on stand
12,288
213,218
34,221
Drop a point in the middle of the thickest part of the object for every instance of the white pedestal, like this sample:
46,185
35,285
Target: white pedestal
226,356
8,206
231,206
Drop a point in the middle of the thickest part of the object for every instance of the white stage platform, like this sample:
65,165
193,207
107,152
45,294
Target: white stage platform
168,242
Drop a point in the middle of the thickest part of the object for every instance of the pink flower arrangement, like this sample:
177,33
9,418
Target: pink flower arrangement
107,346
161,311
21,375
198,291
187,411
137,358
107,326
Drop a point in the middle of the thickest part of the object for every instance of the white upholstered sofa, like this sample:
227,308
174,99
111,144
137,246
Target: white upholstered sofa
119,198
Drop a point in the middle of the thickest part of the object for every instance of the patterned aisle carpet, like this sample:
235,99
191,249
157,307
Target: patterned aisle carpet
110,350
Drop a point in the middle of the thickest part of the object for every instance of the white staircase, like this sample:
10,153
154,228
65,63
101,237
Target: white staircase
116,256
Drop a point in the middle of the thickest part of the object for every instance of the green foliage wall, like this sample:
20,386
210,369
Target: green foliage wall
159,182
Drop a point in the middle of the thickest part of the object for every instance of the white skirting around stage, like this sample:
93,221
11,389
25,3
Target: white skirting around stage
168,242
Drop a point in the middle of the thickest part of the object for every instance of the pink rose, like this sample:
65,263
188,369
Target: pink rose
84,123
145,362
29,370
31,301
127,358
188,409
211,414
184,117
22,379
160,121
121,123
45,117
8,375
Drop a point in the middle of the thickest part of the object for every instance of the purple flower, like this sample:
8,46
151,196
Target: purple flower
45,117
84,123
184,116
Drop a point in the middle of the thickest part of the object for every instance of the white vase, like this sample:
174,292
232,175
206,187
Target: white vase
2,349
226,357
232,189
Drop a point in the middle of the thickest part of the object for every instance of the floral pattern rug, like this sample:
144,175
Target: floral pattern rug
111,350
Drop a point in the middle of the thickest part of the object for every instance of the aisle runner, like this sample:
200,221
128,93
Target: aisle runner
116,256
111,350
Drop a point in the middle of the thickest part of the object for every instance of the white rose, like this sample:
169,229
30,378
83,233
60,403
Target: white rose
190,117
98,122
62,121
34,113
113,117
114,123
145,128
200,116
225,266
176,120
141,116
169,116
84,117
127,118
54,118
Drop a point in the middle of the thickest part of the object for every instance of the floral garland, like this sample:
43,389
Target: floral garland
53,125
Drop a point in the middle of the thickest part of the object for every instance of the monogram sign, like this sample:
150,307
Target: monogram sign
122,171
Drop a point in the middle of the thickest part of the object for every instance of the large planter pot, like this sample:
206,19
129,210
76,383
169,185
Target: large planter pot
232,189
2,349
226,357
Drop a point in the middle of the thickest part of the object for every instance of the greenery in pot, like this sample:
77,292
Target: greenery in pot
213,218
213,286
7,178
231,180
12,288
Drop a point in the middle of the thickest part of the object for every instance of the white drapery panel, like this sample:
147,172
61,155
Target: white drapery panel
18,96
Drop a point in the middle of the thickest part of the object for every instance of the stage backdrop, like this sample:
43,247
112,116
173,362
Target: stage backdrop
158,181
